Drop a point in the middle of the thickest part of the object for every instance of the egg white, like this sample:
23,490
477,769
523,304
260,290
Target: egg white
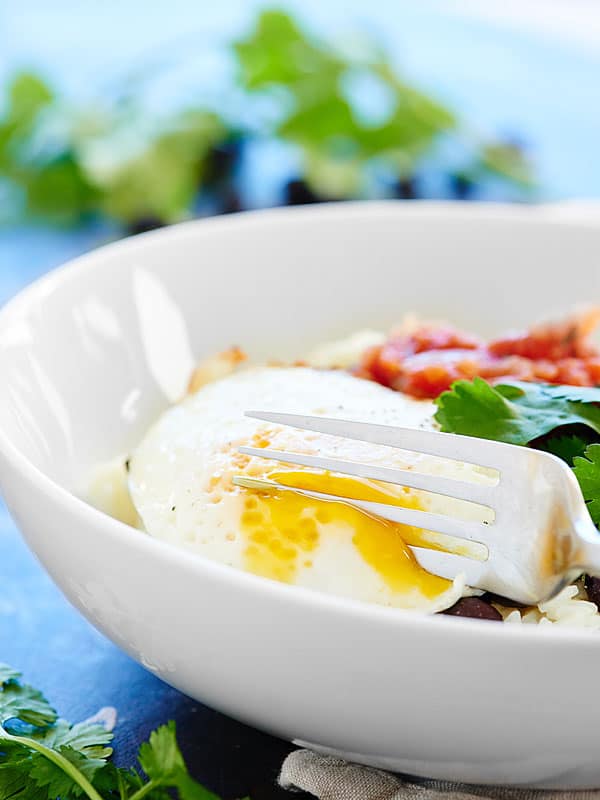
180,474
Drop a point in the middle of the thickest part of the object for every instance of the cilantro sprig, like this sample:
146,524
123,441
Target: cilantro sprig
563,420
587,472
516,412
43,757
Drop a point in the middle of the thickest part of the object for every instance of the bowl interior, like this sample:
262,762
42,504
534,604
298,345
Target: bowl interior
90,354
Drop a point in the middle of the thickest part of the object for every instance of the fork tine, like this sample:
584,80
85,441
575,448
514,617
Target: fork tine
460,529
463,490
445,445
449,565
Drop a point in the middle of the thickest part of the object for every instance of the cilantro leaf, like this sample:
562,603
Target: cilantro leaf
160,757
15,778
8,674
111,781
89,739
507,161
277,52
477,409
57,189
57,783
160,177
30,773
576,394
26,704
516,413
37,155
323,115
587,472
42,758
565,447
161,760
18,766
563,420
28,94
189,789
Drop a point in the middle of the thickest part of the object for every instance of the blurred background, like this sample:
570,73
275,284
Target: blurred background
119,117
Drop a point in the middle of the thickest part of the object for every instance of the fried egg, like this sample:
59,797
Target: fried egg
181,483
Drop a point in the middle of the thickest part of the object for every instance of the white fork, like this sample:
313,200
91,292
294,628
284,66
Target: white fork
542,536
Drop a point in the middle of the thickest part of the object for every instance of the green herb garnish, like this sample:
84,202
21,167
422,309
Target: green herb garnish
587,472
563,420
126,157
516,412
318,87
45,758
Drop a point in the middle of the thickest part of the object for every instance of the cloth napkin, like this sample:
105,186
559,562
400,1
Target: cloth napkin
333,779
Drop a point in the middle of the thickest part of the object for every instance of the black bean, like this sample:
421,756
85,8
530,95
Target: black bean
299,193
462,186
230,201
474,607
221,162
592,587
143,224
490,597
407,188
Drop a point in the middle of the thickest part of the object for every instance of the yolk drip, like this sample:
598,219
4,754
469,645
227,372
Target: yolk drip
283,529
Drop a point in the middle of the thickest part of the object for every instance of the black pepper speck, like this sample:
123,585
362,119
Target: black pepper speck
592,587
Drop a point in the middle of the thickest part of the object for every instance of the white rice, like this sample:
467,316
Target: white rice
569,608
343,353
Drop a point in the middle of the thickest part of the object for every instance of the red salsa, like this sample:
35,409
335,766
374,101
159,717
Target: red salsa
426,361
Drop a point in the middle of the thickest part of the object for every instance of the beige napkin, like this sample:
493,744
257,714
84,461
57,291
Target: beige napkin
332,779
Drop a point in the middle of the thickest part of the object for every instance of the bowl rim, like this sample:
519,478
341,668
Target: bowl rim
26,299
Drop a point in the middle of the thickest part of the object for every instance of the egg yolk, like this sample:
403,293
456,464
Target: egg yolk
283,530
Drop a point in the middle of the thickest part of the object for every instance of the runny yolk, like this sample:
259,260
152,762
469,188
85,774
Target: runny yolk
283,530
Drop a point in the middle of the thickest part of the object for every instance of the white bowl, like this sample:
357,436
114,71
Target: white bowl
92,352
